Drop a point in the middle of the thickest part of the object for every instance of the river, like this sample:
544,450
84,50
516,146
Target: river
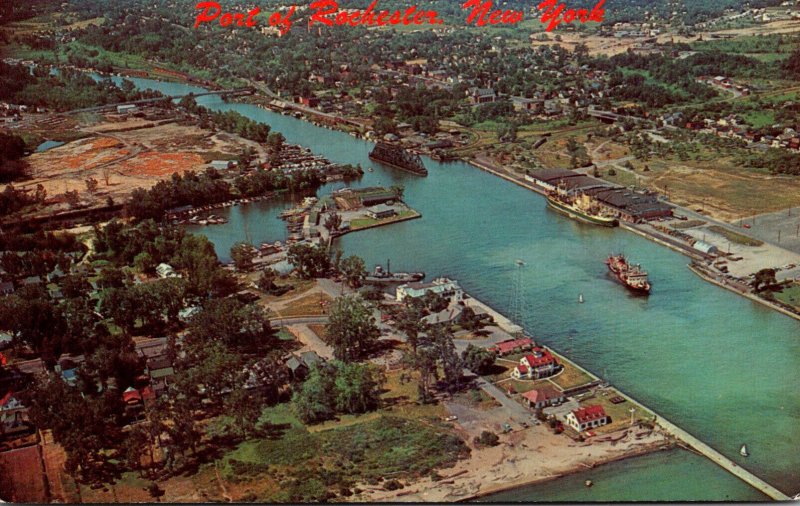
720,366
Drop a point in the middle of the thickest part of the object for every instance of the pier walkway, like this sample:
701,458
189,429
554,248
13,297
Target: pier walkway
722,461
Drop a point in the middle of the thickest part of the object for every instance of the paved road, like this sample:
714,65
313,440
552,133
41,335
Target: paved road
311,342
517,412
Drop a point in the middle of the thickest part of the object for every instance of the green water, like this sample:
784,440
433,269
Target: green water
718,365
634,480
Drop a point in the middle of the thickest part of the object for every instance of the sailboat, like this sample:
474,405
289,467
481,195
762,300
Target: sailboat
743,451
580,298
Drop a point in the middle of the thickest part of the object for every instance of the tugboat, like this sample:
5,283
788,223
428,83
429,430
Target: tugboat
385,277
630,275
398,157
581,208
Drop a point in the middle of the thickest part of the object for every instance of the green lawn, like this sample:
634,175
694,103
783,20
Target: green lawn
760,118
368,222
735,237
790,295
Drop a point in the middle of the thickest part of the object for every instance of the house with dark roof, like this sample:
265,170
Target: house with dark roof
587,418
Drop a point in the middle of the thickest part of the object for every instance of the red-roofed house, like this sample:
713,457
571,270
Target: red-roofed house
512,346
542,397
589,417
540,363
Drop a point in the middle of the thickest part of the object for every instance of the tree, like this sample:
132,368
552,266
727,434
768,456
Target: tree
266,280
398,190
310,261
351,328
333,222
313,402
72,198
441,340
232,323
354,271
763,279
477,360
409,321
243,254
91,185
487,439
358,388
245,410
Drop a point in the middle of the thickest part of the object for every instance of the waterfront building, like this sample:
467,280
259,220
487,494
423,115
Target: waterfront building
587,418
540,363
539,398
441,286
512,346
380,212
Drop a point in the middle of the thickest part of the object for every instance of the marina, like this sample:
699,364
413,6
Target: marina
686,314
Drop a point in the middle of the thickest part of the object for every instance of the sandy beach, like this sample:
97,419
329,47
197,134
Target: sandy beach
523,457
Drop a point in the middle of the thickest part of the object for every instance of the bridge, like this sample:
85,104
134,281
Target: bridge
234,92
610,117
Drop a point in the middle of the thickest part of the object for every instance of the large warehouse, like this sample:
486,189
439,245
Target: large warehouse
626,204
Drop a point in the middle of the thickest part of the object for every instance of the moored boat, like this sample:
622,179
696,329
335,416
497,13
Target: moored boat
396,156
581,208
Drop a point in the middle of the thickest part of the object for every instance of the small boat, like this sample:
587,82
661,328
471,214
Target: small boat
371,169
580,298
743,451
588,483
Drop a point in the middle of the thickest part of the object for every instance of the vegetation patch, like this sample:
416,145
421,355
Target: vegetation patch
735,237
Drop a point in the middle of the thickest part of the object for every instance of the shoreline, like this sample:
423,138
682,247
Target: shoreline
654,238
639,452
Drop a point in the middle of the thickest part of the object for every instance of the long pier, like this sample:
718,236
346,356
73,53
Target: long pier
698,446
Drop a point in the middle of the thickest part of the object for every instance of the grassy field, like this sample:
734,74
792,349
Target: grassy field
369,222
570,377
735,237
313,304
790,295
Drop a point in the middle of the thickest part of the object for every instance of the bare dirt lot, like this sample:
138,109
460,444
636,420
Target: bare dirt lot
122,156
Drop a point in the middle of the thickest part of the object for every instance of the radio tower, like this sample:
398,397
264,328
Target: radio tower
516,294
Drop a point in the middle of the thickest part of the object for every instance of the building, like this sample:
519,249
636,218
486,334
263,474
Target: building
6,288
380,212
512,346
127,109
540,363
587,418
13,416
481,95
166,271
539,398
222,164
441,286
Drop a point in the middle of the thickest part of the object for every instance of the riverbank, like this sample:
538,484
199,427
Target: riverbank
707,277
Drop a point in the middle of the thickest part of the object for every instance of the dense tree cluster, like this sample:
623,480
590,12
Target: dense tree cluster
338,387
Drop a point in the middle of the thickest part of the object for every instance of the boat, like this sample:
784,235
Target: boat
588,483
629,275
398,157
580,298
743,451
371,169
384,277
582,208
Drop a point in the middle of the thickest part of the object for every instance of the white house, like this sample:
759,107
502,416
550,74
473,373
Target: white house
587,418
443,286
166,271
